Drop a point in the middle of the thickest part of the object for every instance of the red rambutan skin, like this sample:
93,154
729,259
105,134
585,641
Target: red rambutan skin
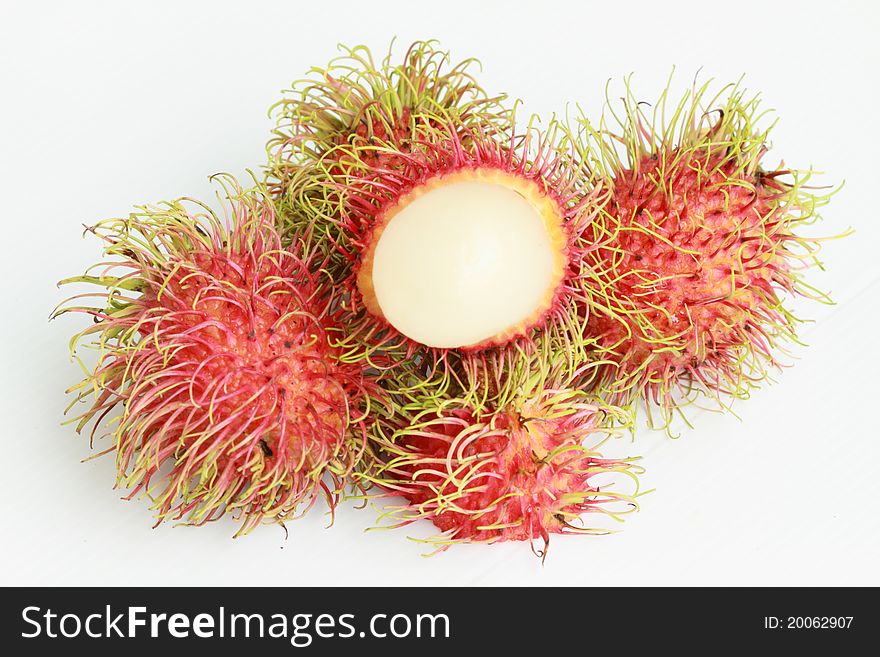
229,393
699,250
233,359
517,475
699,256
358,102
370,138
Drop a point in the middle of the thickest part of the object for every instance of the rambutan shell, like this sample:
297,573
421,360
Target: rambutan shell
216,374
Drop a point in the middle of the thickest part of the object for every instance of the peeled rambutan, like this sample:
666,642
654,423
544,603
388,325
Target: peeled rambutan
215,375
472,243
520,472
697,252
466,252
454,238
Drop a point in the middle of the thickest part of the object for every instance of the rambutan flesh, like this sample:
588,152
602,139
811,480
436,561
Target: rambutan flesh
518,473
698,251
215,373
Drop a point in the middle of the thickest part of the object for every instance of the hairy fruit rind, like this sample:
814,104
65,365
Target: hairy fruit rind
357,102
521,472
215,374
700,248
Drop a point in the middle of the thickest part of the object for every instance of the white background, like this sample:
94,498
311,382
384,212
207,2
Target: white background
109,104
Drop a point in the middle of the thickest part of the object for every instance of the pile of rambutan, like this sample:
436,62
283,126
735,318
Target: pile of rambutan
432,306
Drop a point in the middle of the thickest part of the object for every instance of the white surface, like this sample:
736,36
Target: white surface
462,263
106,105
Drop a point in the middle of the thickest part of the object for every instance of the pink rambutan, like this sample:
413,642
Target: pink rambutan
215,373
698,249
356,102
516,473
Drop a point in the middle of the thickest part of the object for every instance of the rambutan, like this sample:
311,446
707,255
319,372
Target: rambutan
697,251
520,472
356,102
215,374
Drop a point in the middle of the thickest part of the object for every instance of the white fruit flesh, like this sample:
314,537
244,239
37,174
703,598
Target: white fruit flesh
466,259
